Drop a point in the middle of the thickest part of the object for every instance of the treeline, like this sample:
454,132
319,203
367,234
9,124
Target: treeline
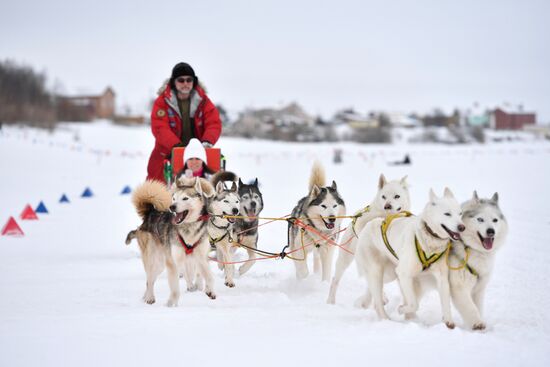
24,96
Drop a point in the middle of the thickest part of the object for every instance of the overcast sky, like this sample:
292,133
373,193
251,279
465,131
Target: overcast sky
326,55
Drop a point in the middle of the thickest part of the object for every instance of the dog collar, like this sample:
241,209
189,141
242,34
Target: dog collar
429,230
188,249
214,224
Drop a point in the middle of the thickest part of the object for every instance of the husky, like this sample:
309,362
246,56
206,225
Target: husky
173,234
392,197
472,258
252,204
411,249
220,227
321,210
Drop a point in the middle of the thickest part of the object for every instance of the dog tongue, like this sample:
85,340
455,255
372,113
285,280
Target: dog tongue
488,243
330,225
177,218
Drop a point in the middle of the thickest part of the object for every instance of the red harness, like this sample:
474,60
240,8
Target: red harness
189,249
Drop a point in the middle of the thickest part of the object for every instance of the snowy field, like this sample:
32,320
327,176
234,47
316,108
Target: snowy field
71,289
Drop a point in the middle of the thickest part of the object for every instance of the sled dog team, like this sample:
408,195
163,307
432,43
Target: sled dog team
448,247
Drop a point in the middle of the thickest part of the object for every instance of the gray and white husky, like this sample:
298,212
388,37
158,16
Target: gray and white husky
392,197
252,203
320,210
220,228
173,234
411,249
473,257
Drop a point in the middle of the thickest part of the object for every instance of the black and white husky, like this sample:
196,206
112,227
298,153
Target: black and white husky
252,203
221,227
173,234
321,210
472,258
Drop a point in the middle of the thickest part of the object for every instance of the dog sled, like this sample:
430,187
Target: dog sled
214,160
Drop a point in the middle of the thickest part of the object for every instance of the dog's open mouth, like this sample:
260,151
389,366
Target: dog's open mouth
178,218
487,242
229,217
454,235
250,213
329,224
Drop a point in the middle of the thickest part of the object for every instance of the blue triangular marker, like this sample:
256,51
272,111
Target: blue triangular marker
87,193
41,208
126,190
64,199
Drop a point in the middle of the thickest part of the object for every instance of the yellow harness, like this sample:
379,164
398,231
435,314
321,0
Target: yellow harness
426,261
357,216
464,263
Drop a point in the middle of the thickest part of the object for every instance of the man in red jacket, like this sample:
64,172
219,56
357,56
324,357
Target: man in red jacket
182,111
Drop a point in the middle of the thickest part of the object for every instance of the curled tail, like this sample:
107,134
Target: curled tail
223,176
151,195
317,177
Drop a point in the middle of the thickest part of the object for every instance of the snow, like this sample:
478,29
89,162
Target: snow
71,289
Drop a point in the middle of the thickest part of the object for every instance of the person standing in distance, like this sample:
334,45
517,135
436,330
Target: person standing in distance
182,111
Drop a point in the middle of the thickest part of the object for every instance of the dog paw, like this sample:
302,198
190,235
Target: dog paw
230,284
410,316
450,324
149,301
404,310
172,303
479,326
211,295
192,288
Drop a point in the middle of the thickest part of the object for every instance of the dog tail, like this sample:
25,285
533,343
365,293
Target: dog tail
151,195
223,176
317,177
131,235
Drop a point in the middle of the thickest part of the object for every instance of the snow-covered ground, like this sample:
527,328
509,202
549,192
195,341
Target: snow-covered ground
71,289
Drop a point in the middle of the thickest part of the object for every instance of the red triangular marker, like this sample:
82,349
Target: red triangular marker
28,213
12,228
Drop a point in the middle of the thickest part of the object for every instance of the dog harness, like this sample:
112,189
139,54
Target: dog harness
213,241
357,216
464,263
189,249
426,261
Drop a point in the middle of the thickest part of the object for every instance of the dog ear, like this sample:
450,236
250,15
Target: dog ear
197,185
315,190
382,181
207,190
448,193
333,186
219,187
255,184
433,196
403,181
475,197
233,187
495,198
240,182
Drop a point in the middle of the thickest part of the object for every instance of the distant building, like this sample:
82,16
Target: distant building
507,119
86,107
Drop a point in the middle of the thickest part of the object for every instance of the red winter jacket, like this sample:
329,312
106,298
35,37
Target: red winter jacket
166,126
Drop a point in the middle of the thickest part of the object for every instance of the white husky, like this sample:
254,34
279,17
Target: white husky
411,249
392,197
473,257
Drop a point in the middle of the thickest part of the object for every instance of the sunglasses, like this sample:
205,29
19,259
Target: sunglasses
184,80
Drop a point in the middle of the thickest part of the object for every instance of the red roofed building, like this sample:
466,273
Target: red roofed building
503,119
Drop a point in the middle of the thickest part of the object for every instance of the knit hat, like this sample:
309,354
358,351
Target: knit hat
194,150
182,69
